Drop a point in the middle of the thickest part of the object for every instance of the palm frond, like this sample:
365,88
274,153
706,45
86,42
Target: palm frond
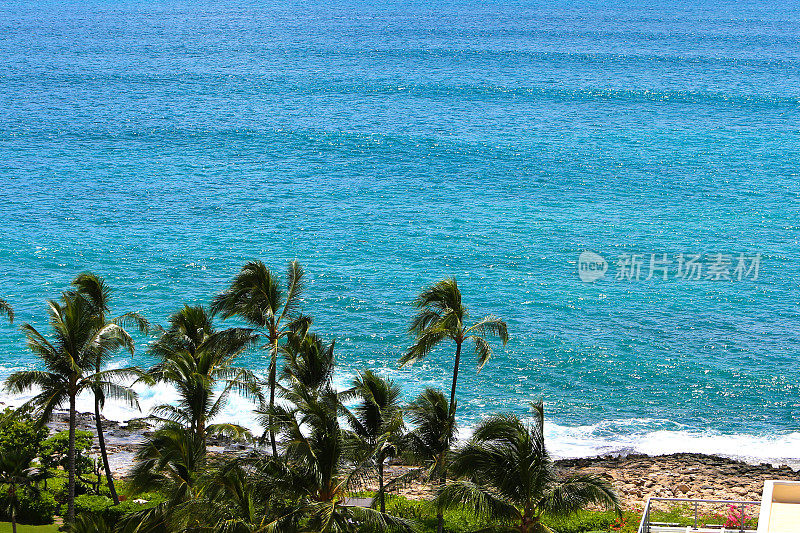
230,431
481,500
423,344
6,309
482,350
490,325
577,492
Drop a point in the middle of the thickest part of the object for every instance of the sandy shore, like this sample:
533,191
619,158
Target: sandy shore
635,477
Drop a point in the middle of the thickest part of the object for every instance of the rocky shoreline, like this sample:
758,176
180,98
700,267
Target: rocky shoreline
635,477
680,475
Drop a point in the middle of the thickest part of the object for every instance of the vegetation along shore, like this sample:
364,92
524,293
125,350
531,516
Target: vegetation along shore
358,459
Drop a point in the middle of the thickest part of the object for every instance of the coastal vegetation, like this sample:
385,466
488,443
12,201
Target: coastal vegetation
319,462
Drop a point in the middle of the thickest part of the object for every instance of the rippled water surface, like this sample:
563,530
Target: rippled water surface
387,145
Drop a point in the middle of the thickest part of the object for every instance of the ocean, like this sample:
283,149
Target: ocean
387,145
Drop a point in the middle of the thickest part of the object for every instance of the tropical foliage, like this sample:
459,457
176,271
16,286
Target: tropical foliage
197,360
321,462
506,475
256,296
6,309
80,343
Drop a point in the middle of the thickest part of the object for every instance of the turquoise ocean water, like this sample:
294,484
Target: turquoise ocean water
389,144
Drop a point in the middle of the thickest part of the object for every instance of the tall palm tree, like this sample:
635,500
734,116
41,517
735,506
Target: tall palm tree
433,436
198,359
6,309
442,316
78,340
319,469
256,296
94,289
509,477
377,420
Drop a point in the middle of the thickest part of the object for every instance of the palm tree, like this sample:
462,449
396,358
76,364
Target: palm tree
15,471
98,294
310,361
91,523
377,420
255,295
432,437
196,359
170,462
319,469
6,309
442,316
79,339
509,477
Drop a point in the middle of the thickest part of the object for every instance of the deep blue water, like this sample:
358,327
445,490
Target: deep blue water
387,145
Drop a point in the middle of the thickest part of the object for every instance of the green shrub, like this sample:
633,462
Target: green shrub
20,430
35,507
89,503
103,507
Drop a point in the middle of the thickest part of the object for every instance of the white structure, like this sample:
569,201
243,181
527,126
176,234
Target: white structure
780,507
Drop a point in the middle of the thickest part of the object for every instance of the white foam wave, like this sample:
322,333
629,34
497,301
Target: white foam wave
623,437
633,436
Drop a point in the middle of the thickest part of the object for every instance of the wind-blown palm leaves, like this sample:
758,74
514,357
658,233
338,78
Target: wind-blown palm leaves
170,462
6,309
321,466
433,436
442,316
199,362
377,420
510,477
94,289
79,340
310,361
256,296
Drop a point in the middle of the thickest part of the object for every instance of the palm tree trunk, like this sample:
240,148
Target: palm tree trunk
380,484
273,367
71,462
201,427
101,440
439,513
455,379
13,508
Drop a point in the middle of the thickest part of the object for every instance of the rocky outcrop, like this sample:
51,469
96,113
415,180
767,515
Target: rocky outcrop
680,475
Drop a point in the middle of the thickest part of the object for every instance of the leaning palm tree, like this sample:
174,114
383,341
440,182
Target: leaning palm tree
256,296
442,316
199,361
376,420
508,477
79,339
94,289
320,468
6,309
431,439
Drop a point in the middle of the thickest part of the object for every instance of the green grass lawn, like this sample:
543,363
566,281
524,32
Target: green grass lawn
5,527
